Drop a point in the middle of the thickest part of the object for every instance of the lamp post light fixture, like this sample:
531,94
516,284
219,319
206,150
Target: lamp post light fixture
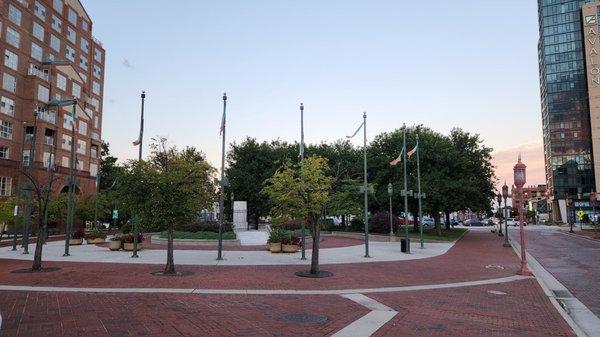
519,178
505,196
390,190
499,198
19,193
28,187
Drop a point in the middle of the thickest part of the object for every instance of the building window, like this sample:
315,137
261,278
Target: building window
79,165
6,129
7,106
95,103
36,52
26,157
96,122
85,25
40,11
97,71
81,146
55,43
71,35
65,162
93,170
85,45
5,186
72,16
56,24
562,135
96,88
43,93
82,128
11,59
83,62
38,31
97,55
14,15
58,6
83,77
67,121
12,37
9,83
575,134
4,152
76,90
61,82
70,53
48,158
66,142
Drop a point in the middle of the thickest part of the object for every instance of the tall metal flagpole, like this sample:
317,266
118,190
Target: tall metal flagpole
303,234
365,185
419,193
141,143
222,182
405,194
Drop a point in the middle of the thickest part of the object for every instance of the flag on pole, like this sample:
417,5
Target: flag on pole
222,124
398,159
411,152
137,141
355,132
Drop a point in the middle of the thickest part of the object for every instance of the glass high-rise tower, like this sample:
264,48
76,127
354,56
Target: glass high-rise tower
567,131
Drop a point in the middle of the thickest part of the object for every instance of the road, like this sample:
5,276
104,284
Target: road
572,260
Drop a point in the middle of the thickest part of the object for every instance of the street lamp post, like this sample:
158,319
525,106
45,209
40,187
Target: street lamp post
303,230
499,198
505,196
390,190
19,192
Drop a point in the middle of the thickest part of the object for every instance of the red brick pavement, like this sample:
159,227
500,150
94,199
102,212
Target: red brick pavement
158,315
466,261
472,311
32,241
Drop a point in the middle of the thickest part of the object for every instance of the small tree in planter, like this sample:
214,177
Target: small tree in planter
95,236
115,242
302,191
128,241
77,237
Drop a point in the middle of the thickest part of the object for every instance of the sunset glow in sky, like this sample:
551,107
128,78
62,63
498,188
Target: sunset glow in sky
440,63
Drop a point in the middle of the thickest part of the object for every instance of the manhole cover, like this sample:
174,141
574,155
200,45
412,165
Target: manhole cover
562,294
494,266
304,318
496,292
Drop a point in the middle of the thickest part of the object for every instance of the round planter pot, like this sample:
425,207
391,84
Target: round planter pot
129,246
275,247
289,248
268,246
75,242
114,245
95,241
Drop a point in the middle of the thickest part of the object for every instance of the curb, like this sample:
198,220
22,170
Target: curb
580,236
583,322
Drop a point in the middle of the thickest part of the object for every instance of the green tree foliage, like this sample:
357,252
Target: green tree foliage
302,192
169,188
7,217
346,200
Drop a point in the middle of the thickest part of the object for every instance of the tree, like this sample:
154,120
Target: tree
302,192
346,200
170,188
7,207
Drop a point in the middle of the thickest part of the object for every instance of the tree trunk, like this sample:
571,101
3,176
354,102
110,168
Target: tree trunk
438,225
447,213
316,235
170,267
256,220
41,239
343,221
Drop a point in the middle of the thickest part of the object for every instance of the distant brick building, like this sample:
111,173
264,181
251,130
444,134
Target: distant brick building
50,55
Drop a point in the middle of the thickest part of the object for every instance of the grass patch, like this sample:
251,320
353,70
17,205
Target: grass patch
199,235
430,234
594,230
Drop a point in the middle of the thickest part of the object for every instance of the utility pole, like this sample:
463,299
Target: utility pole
71,197
19,192
303,231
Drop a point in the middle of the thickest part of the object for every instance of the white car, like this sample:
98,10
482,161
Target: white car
512,222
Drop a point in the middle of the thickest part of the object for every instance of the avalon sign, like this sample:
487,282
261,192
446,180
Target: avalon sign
592,45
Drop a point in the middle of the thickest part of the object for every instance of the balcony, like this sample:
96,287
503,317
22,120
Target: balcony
35,71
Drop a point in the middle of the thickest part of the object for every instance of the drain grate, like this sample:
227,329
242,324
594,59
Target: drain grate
304,318
562,294
494,266
496,292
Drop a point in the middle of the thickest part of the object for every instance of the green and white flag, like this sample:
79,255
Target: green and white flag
355,132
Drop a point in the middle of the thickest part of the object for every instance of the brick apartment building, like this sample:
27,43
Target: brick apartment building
50,55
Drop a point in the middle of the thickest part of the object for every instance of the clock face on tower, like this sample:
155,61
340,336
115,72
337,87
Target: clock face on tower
519,177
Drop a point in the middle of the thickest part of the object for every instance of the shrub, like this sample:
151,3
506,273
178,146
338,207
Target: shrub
208,226
278,234
78,233
291,239
117,237
327,225
128,238
380,223
357,225
291,224
199,235
96,234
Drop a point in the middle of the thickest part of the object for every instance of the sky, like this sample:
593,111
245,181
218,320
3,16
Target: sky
466,63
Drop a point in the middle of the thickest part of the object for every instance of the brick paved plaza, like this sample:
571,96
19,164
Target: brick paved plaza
504,305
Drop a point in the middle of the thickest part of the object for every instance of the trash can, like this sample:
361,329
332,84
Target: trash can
405,245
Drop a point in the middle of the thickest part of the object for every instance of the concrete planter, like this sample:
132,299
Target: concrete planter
114,245
129,246
193,242
95,241
275,247
290,248
75,242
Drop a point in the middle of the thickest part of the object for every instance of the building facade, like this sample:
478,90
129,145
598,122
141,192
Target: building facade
50,55
569,125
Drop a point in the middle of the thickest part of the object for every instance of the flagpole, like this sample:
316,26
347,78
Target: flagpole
221,200
405,194
419,193
365,185
303,233
141,140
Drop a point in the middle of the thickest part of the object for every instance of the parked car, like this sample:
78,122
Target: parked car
474,222
512,222
428,222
